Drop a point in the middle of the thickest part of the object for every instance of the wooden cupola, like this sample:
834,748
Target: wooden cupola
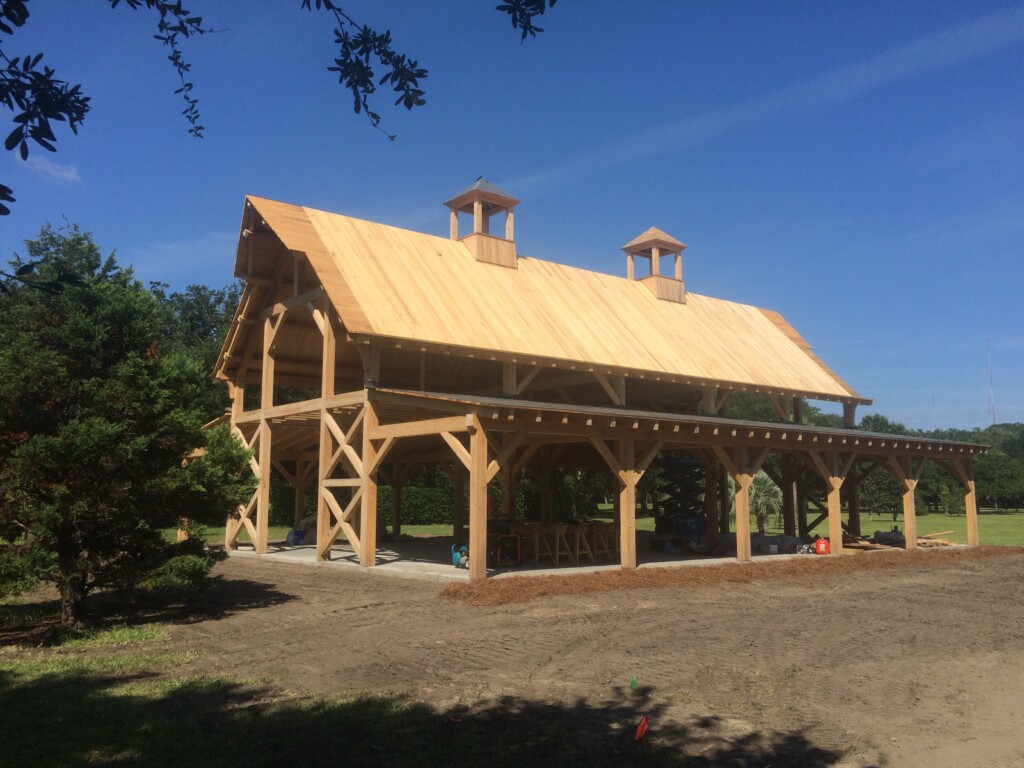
653,245
482,200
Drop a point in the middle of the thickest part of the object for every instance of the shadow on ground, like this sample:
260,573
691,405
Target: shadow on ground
36,622
77,718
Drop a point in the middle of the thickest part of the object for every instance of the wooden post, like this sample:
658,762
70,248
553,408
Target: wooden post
853,503
546,478
971,509
327,382
711,512
801,500
627,504
453,227
738,463
908,475
909,514
263,498
833,471
788,496
396,505
459,499
477,503
723,503
835,519
479,220
368,503
963,470
743,483
510,229
849,415
300,493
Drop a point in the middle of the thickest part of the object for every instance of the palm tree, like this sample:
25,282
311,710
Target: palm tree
765,500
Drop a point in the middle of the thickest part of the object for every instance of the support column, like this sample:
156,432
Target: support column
300,493
853,504
833,471
743,483
835,511
801,503
711,512
963,470
327,367
788,496
263,491
368,502
904,470
627,504
971,510
266,401
459,517
477,503
723,503
546,479
396,505
909,514
737,462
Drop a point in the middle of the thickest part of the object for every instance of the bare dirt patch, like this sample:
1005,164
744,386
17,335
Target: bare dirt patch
881,659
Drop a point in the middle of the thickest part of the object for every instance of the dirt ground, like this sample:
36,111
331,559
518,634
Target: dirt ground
914,662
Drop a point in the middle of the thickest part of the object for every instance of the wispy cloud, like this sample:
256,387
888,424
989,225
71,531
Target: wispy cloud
206,259
54,171
973,40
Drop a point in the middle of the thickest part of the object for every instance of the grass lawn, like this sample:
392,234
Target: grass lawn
995,527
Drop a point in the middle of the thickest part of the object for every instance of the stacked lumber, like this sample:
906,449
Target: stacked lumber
932,540
856,542
889,539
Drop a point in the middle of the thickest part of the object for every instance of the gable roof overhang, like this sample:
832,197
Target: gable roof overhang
396,287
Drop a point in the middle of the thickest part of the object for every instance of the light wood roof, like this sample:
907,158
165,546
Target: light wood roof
390,282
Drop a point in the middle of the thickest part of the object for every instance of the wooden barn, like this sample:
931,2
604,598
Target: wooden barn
360,351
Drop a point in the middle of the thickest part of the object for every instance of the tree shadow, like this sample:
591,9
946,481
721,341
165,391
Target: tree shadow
37,622
78,718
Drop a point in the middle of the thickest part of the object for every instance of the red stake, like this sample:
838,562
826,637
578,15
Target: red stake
642,728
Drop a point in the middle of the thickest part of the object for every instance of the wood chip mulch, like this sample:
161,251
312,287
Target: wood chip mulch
521,589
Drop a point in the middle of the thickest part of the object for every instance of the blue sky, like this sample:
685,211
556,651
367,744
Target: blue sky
856,166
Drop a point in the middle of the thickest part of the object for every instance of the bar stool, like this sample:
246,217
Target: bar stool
581,543
599,540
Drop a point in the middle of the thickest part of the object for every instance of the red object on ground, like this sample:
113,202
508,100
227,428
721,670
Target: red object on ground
642,728
821,547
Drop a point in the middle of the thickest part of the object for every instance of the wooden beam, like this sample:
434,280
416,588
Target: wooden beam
439,426
612,392
458,449
510,447
627,504
296,301
260,541
368,505
477,504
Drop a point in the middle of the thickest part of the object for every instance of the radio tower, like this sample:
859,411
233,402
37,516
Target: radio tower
991,397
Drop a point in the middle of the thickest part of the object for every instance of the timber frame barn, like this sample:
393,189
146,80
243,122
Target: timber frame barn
359,351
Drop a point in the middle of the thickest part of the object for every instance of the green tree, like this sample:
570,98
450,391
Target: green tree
94,426
37,97
999,479
765,501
